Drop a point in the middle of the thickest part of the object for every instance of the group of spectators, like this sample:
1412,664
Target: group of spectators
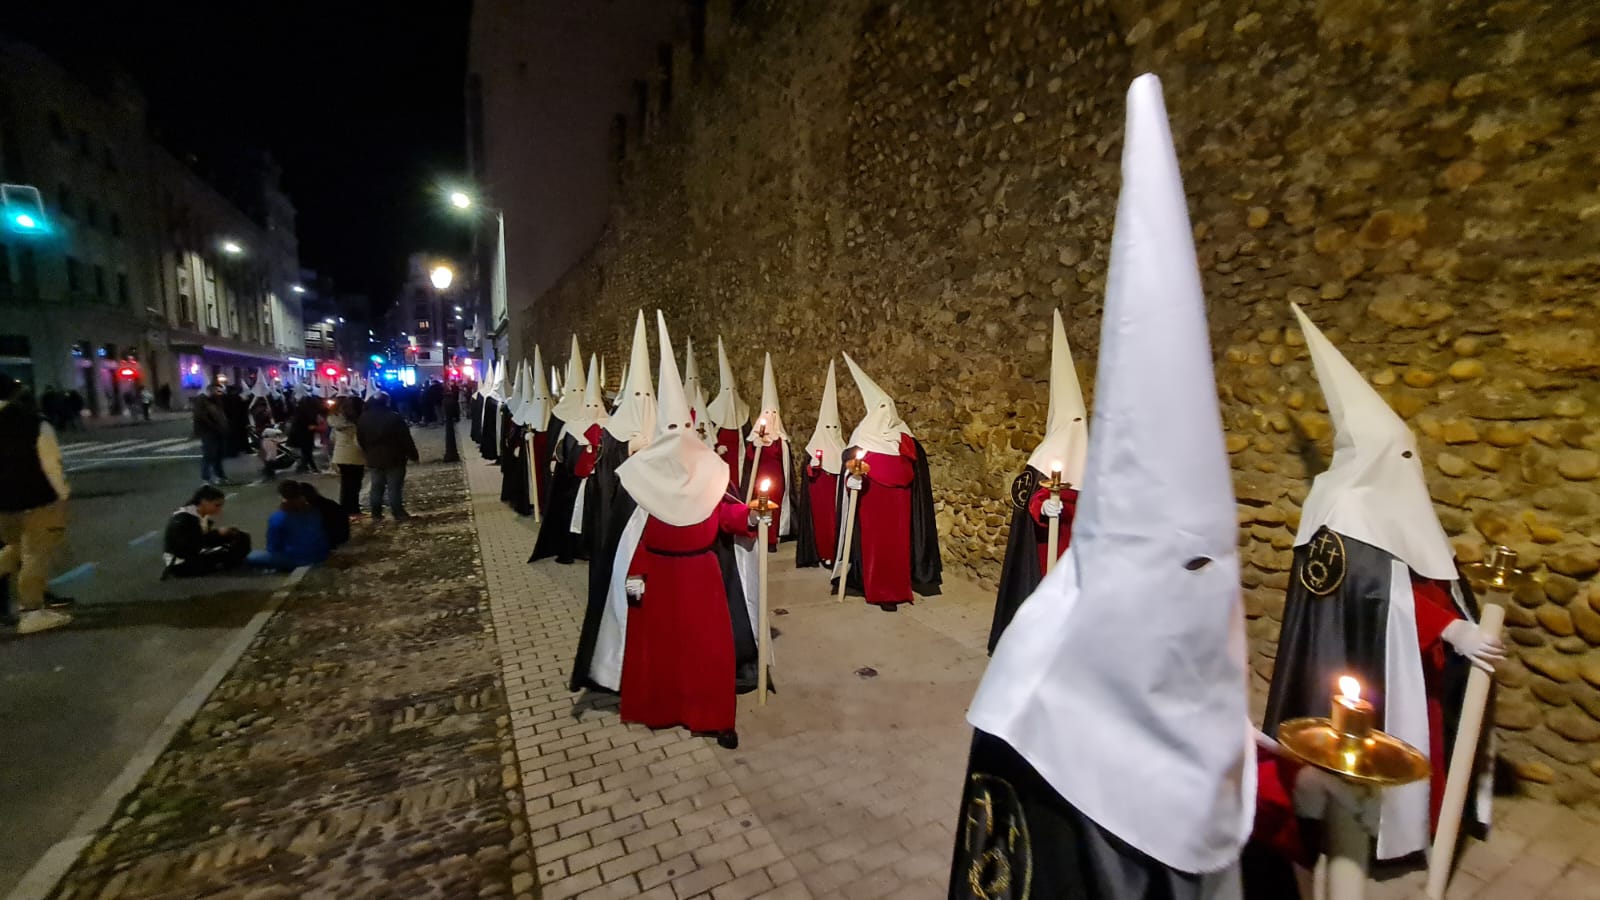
302,531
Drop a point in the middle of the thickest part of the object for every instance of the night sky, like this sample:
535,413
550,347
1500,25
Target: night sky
361,102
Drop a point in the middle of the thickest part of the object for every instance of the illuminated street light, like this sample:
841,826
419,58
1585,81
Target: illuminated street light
460,200
298,289
441,276
25,221
328,321
232,248
458,309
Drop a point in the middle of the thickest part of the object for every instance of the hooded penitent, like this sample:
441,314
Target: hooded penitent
681,484
768,456
880,429
729,413
894,550
1065,443
576,452
1372,587
634,422
489,428
572,387
696,393
817,531
514,460
1118,701
511,405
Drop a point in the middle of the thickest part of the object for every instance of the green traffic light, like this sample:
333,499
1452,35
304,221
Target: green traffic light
27,223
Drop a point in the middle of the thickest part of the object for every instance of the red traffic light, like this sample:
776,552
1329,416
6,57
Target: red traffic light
331,371
126,372
272,373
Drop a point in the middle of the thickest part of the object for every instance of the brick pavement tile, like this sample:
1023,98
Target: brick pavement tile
624,888
562,848
572,885
670,812
585,822
666,870
832,877
744,887
792,890
629,863
553,871
596,855
925,889
637,805
702,879
726,848
650,837
755,858
620,828
686,842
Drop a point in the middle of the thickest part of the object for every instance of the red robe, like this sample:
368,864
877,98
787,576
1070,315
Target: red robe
588,456
1435,611
822,489
1041,525
678,664
728,441
771,466
539,461
884,521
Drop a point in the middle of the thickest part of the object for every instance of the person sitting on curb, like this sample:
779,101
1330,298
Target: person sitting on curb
191,546
335,524
294,533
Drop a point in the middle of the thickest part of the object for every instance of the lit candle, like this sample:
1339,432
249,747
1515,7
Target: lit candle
761,427
766,484
1055,471
1352,716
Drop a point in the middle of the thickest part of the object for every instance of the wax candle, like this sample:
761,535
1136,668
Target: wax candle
766,484
1055,471
1352,716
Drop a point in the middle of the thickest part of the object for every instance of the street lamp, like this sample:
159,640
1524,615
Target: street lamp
441,276
232,248
298,289
460,199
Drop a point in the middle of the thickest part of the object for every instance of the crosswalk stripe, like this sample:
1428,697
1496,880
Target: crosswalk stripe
91,447
172,443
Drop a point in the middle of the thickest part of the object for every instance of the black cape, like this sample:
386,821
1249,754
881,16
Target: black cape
600,566
604,517
1017,838
514,468
926,567
561,488
1344,631
475,413
489,433
544,451
806,552
1019,573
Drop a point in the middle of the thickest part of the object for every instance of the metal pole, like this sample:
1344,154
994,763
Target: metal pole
1459,780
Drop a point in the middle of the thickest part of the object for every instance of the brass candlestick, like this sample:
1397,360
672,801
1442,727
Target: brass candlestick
1498,573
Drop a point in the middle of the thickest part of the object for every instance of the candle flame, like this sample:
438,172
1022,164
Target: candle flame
1349,687
765,483
861,454
1056,465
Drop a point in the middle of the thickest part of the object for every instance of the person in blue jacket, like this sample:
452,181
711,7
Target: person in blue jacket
294,533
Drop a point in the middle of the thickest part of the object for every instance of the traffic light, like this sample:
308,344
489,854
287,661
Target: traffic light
127,372
331,370
23,210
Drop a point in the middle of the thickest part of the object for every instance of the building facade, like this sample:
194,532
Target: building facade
427,324
141,273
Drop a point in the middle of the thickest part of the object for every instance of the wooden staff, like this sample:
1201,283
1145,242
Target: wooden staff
755,464
762,507
533,475
1459,781
841,566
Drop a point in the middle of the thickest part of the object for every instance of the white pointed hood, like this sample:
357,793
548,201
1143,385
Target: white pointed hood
677,479
591,410
696,394
1066,428
880,429
1374,490
635,418
536,406
555,385
827,439
497,384
513,401
574,388
728,409
1135,644
770,414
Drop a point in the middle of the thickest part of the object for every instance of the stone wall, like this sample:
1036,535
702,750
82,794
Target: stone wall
921,183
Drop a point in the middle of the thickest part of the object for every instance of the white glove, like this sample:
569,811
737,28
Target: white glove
722,450
1470,641
552,465
1314,789
634,587
1051,508
853,482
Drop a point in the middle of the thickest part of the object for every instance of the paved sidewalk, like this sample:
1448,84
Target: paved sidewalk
846,784
360,748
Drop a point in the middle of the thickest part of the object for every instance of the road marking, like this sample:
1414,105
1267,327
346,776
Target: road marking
73,574
142,538
171,442
92,446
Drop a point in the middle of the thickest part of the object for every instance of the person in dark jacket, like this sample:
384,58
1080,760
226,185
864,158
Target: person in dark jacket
294,533
335,522
211,427
237,412
304,425
191,546
386,442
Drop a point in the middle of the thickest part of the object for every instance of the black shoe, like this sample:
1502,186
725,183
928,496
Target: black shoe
889,607
728,740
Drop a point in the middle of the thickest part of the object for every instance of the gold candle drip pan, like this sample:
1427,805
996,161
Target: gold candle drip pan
1379,759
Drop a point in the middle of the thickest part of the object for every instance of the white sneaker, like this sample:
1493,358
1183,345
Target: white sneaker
35,620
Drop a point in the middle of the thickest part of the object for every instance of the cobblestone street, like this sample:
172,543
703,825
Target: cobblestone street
360,747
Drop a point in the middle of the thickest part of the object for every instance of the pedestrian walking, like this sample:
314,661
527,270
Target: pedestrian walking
386,442
347,455
145,400
192,546
304,425
33,506
211,427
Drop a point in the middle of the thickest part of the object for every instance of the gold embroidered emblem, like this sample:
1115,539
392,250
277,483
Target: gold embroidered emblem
994,838
1325,565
